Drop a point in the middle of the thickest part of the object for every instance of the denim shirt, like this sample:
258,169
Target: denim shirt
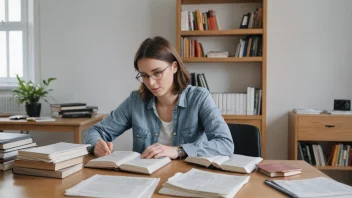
198,124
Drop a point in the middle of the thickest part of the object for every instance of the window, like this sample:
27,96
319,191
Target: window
15,41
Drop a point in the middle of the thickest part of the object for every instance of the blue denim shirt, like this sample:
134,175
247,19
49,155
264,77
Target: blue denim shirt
198,124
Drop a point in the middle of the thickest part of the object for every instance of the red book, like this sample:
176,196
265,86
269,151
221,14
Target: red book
278,170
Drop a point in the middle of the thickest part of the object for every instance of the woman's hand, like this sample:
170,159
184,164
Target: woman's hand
158,150
103,148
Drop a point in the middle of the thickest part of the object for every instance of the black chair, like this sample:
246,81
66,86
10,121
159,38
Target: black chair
246,139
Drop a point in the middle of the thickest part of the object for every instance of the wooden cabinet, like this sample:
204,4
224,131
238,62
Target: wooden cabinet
318,128
228,9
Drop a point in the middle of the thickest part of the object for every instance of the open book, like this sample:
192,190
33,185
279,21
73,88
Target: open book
235,163
128,161
115,186
197,183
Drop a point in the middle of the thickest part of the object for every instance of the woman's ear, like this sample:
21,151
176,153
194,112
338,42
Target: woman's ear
174,66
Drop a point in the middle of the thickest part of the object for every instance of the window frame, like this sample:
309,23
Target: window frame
28,26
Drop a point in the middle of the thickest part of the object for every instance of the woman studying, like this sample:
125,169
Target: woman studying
168,117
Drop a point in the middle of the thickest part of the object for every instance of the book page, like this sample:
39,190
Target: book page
207,183
114,186
315,187
219,160
147,166
114,160
247,163
204,161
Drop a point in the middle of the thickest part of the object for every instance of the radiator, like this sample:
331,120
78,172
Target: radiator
10,105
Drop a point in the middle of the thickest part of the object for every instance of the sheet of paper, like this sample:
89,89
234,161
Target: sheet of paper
113,186
316,187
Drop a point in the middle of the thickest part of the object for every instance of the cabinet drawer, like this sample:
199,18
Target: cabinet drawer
325,128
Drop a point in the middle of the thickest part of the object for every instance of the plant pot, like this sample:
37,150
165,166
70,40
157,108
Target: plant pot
33,110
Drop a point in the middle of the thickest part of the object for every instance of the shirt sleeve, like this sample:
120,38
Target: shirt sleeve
116,123
219,140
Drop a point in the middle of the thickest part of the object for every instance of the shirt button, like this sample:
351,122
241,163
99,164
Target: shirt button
156,134
137,135
174,133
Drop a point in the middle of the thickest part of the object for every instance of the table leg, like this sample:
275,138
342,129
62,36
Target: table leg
77,135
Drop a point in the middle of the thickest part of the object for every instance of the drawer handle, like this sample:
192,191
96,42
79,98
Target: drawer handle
329,125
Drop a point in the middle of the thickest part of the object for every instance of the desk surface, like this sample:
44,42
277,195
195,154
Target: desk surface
29,186
58,121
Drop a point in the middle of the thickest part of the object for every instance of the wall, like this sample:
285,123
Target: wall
89,46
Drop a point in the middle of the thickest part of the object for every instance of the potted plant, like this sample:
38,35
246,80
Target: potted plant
30,94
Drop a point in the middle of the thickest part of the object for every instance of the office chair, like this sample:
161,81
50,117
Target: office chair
246,139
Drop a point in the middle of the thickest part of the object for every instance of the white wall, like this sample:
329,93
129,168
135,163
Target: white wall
89,46
309,61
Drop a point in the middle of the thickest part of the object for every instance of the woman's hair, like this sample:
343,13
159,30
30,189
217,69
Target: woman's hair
160,49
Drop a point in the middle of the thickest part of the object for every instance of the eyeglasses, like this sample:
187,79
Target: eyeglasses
156,75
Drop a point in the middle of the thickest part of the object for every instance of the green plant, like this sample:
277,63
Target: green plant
29,93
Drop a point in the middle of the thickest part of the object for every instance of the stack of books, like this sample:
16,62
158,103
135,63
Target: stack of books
10,143
73,110
278,170
217,54
235,163
197,183
306,111
56,160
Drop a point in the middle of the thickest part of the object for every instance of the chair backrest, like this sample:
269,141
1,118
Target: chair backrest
246,139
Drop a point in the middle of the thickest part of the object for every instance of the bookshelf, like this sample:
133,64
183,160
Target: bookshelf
319,128
228,35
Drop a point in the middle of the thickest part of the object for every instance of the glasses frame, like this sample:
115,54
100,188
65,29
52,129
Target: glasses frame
152,76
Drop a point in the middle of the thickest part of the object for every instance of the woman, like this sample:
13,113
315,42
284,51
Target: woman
168,117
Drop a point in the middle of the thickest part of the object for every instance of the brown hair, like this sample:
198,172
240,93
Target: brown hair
160,49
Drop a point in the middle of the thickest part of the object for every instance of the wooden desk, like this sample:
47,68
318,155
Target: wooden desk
75,125
29,186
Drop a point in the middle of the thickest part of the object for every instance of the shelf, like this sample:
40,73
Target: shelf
241,117
334,167
222,32
219,1
221,60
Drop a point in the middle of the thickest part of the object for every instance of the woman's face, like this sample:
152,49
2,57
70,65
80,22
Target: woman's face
157,75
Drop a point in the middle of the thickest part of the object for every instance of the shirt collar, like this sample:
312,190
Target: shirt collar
182,102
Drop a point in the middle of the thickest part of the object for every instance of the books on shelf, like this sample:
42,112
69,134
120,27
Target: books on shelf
191,48
10,143
199,80
115,186
197,183
196,20
249,46
217,54
128,161
235,163
315,187
252,20
249,103
278,170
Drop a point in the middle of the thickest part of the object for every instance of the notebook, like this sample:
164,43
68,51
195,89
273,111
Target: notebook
128,161
235,163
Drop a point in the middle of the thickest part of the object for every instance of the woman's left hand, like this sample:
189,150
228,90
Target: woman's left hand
158,150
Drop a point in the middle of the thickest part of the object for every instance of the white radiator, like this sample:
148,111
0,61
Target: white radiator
8,104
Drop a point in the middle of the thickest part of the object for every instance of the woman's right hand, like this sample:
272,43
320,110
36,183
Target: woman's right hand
103,148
